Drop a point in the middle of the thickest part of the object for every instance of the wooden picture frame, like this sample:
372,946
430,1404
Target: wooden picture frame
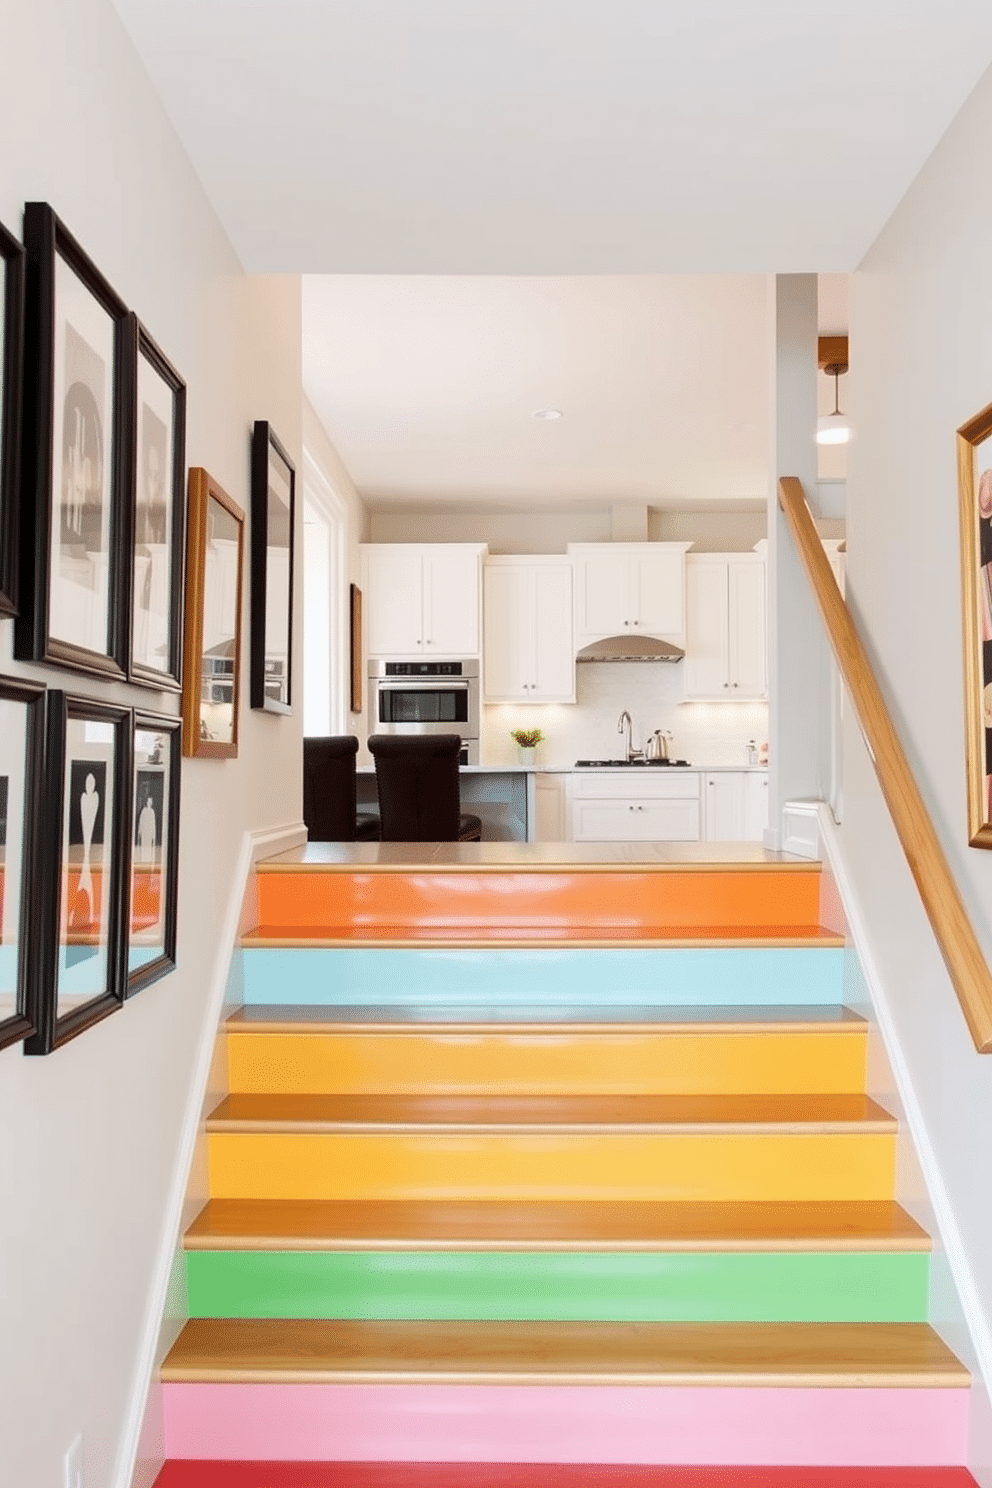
974,452
11,391
212,641
153,867
79,969
355,649
74,579
156,515
273,515
22,758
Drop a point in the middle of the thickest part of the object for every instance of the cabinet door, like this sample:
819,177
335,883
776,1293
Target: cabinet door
553,674
747,629
549,809
451,601
706,662
603,593
394,601
658,591
755,805
507,632
636,820
723,806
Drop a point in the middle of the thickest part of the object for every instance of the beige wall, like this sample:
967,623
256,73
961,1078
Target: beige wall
921,363
91,1135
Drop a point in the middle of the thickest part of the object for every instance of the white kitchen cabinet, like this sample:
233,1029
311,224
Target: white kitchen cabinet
548,808
735,805
528,652
629,589
635,805
422,599
726,628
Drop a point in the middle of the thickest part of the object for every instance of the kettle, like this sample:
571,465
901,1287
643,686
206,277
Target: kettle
657,745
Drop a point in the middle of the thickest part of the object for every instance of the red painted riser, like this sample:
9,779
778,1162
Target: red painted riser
520,1475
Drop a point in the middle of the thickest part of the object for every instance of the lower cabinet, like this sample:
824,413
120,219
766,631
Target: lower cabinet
632,806
735,805
547,809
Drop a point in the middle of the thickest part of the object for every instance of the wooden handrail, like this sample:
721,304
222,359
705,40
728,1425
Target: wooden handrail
966,964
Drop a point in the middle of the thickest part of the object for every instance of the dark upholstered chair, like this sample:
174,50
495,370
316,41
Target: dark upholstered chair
417,779
330,792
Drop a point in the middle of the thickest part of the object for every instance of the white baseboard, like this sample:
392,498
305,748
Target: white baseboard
255,845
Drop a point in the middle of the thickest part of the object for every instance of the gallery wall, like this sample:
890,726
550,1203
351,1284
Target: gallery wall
921,365
90,1135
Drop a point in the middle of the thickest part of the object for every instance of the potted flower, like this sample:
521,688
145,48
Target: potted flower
526,740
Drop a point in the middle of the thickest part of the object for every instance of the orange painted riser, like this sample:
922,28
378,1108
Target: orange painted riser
667,899
544,1475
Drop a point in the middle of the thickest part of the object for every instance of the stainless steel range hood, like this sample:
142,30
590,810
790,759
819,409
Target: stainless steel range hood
630,648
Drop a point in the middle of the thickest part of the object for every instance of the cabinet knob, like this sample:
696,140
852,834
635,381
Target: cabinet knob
735,684
626,622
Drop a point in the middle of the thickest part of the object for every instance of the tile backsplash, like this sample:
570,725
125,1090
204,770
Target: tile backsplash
705,733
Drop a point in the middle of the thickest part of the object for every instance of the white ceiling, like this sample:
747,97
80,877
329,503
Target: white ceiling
394,143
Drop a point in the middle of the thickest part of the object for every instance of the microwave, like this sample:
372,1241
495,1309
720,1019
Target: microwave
427,697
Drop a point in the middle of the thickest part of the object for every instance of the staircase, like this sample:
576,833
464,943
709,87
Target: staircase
542,1173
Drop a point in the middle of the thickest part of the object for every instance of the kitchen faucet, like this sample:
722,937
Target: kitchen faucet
623,722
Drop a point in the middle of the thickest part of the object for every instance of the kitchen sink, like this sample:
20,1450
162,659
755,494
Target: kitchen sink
612,764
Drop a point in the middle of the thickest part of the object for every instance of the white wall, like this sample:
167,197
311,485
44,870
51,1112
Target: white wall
727,531
90,1134
921,364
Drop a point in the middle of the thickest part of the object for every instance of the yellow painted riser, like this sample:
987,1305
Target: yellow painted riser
733,1166
731,1063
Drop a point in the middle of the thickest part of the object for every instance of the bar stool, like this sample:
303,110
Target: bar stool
330,792
418,783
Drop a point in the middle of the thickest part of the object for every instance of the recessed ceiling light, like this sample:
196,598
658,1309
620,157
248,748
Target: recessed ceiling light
547,414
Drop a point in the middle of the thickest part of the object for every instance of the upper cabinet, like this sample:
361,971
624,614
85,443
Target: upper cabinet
726,630
528,651
629,589
422,599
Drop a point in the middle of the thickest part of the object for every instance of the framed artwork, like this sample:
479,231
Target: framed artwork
79,975
273,507
974,441
355,648
74,572
158,482
22,753
154,859
212,642
11,380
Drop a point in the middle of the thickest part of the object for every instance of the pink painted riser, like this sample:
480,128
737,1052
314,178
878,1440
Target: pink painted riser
401,1423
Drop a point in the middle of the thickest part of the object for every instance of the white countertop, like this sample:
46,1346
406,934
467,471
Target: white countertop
539,769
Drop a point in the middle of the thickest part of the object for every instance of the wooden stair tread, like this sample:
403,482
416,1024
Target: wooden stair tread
487,936
679,1114
351,1018
807,1355
533,857
246,1224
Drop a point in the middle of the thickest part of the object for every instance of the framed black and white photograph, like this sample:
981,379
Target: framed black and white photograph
80,973
158,476
11,381
273,506
212,635
154,868
22,746
75,573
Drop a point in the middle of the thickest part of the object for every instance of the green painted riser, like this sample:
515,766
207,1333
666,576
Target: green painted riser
620,1287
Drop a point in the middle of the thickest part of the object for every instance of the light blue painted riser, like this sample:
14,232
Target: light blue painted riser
704,977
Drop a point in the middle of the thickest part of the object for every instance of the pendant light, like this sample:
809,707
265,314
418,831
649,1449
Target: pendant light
834,428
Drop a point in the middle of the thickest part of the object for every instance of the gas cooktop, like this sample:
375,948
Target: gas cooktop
612,764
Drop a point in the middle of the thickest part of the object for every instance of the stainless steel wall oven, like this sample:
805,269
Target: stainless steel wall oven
426,697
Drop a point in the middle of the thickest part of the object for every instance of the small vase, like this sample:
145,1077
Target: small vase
527,753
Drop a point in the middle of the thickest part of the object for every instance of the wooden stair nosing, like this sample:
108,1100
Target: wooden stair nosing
550,1115
509,937
767,1355
637,1225
514,857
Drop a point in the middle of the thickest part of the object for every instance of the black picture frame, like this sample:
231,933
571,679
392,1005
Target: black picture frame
153,843
11,390
73,612
19,807
156,515
80,960
273,516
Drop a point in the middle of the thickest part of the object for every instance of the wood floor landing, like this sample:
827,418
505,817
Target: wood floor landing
522,856
245,1224
765,1355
